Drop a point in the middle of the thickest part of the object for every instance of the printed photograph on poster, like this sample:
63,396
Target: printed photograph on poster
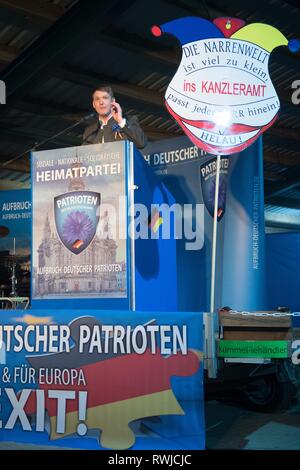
79,223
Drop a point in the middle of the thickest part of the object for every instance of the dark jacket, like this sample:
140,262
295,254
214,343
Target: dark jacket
111,132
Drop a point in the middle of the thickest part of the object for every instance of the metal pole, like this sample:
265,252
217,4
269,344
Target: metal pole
214,240
130,219
13,274
211,360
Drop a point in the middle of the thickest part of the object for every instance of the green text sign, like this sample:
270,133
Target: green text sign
266,349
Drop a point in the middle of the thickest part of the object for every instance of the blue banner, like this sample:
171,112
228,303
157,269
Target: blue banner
15,241
15,220
243,283
190,175
105,380
282,269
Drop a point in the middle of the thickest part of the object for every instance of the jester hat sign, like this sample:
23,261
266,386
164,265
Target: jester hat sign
222,94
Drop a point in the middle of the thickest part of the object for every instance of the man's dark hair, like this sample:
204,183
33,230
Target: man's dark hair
106,88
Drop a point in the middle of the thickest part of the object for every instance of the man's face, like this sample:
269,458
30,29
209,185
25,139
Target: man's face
102,102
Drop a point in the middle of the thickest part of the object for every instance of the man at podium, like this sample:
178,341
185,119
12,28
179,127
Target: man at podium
111,125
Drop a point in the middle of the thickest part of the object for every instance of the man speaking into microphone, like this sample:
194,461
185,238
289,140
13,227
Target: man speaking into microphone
111,125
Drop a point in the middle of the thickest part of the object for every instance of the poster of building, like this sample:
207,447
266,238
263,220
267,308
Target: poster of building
79,222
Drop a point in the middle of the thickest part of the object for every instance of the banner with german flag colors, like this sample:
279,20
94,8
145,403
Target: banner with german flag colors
127,380
190,175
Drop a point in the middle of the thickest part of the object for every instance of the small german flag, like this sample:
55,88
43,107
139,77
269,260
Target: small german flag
154,220
77,244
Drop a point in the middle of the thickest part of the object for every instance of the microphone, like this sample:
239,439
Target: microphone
84,118
89,116
38,144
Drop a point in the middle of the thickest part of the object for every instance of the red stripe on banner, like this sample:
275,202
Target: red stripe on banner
214,149
217,149
122,378
210,125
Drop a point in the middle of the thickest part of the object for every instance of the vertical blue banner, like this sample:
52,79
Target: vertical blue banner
79,235
243,285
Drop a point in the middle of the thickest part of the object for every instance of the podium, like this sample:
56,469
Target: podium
97,233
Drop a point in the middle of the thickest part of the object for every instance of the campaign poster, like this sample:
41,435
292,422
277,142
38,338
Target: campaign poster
101,380
79,222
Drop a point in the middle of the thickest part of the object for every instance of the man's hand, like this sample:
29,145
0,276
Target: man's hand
116,111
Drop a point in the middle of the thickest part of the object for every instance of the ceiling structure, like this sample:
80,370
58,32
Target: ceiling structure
52,54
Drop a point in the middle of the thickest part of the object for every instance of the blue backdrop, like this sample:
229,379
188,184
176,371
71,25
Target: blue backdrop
282,273
240,265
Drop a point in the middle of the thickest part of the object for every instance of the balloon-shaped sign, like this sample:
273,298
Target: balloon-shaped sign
222,94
